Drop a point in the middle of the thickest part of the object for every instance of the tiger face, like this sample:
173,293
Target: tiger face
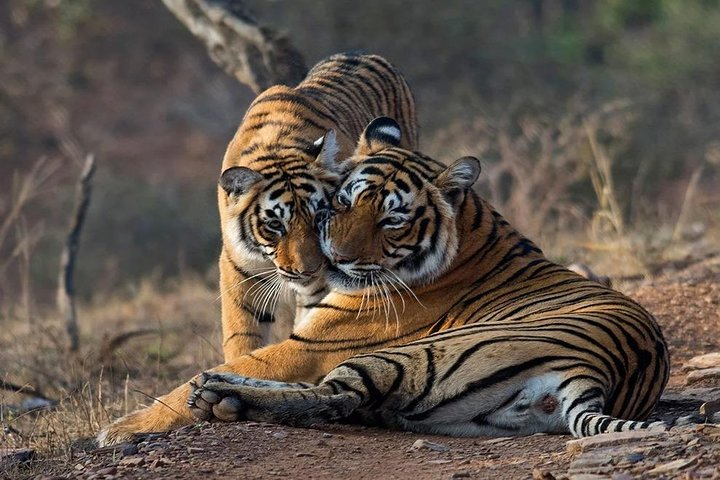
270,213
393,217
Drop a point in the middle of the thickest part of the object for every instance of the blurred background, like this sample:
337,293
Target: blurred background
597,122
554,95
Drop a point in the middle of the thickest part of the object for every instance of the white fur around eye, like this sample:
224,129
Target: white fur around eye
393,222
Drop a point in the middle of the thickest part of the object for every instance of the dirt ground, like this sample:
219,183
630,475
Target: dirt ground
687,305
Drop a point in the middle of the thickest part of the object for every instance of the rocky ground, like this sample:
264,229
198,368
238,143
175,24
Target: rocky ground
687,305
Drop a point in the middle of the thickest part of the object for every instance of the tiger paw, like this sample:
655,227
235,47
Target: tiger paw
212,398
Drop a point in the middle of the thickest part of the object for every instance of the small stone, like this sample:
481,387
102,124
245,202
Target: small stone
498,440
136,461
608,439
709,360
460,474
107,471
704,374
588,476
192,450
79,467
635,457
441,461
674,466
685,420
538,474
280,434
129,450
590,462
426,444
327,435
304,454
157,445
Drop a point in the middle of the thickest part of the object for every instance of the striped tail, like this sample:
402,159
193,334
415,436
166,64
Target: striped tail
585,424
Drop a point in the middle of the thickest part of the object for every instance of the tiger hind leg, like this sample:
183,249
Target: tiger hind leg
231,398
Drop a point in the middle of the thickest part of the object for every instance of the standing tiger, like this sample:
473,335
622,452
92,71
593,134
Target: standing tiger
277,174
472,330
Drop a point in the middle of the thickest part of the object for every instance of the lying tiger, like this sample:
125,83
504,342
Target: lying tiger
442,318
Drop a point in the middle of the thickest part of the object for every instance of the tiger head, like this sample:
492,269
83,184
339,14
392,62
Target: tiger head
394,216
268,212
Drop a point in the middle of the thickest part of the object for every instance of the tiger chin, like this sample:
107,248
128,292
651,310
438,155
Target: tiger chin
452,321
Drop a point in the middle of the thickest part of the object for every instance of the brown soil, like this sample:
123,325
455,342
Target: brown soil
687,305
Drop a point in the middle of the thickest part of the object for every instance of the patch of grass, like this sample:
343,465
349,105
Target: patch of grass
101,383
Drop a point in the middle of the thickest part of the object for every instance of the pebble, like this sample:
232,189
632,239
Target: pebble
674,466
538,474
280,434
135,461
708,360
426,444
460,474
609,439
684,420
635,457
129,451
704,374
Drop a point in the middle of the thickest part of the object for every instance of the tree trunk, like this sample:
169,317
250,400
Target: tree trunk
252,53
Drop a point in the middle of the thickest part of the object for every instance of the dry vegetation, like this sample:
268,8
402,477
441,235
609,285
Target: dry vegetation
131,349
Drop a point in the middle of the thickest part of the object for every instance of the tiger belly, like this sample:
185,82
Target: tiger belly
532,407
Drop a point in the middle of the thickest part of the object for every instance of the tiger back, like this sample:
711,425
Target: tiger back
458,323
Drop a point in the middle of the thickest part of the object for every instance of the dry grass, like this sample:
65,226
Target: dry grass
109,376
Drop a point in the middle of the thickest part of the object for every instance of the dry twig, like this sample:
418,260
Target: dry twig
66,281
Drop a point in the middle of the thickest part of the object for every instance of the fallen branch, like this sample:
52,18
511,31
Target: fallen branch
66,281
24,389
112,344
253,54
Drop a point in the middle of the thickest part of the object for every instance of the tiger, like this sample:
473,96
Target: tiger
476,297
277,173
468,329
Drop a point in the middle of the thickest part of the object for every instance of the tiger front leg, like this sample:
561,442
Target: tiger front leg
215,397
285,361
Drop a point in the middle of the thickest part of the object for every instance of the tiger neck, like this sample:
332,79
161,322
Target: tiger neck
487,245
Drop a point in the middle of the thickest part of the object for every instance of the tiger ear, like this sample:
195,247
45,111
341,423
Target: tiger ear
238,180
459,176
381,133
327,149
